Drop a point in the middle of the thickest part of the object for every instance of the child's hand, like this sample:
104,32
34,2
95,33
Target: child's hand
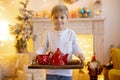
34,59
82,57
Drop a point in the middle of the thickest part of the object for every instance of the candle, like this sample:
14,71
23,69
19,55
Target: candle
73,13
37,14
45,13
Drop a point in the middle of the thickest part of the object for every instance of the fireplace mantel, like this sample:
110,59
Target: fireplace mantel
71,19
94,26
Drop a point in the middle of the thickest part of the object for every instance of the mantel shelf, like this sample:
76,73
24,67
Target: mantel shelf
71,19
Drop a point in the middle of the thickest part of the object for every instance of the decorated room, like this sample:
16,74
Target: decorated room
59,40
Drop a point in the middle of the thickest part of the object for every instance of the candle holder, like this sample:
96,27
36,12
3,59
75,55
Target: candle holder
97,8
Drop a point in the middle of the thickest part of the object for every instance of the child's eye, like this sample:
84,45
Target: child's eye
55,17
62,17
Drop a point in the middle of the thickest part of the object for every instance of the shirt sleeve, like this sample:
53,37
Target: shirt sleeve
44,45
76,49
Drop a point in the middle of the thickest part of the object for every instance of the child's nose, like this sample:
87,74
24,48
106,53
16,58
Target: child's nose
59,19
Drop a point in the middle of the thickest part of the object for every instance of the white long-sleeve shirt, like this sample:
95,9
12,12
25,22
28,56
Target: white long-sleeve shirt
66,41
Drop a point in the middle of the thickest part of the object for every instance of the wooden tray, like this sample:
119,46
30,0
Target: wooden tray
38,66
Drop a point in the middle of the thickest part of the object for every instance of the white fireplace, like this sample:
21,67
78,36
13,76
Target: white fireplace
82,26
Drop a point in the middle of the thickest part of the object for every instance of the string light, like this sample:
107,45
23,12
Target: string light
86,44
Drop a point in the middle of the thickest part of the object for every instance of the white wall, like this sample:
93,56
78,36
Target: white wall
111,11
39,5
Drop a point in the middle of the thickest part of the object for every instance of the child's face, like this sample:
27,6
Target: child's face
59,19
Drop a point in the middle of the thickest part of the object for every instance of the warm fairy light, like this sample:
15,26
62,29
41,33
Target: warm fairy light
4,30
100,77
86,44
6,40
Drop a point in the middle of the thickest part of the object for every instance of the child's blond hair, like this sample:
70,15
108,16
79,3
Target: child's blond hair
60,8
